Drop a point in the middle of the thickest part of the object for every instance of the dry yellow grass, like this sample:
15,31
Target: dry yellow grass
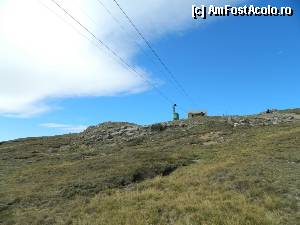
249,177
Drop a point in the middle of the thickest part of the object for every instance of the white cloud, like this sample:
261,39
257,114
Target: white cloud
64,127
42,57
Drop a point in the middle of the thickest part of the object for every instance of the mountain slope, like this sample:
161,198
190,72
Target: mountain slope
214,170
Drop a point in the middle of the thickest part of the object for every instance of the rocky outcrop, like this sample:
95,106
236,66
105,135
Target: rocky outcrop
119,132
264,119
112,132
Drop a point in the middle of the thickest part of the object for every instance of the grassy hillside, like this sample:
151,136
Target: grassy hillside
210,173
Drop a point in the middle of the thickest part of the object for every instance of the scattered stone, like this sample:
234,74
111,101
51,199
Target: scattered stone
271,117
114,132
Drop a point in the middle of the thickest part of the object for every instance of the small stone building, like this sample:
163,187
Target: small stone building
194,114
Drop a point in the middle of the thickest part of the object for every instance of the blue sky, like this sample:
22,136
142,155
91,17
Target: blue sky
232,65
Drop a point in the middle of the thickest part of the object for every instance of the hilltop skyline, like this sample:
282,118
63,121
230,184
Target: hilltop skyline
230,65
